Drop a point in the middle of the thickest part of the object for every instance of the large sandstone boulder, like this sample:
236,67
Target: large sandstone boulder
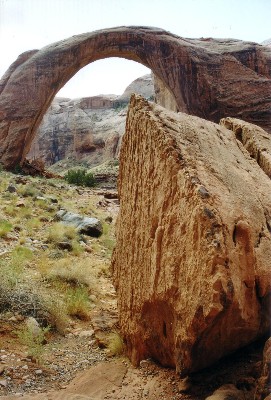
192,263
210,78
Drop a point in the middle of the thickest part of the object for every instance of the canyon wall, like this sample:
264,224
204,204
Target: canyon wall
87,130
192,261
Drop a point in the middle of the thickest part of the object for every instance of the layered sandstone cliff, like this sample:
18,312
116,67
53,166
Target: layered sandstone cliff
192,260
87,130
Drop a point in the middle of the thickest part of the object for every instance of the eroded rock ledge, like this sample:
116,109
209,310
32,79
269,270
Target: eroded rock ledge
192,260
255,140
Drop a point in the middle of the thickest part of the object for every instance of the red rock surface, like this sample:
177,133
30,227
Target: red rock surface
192,260
209,78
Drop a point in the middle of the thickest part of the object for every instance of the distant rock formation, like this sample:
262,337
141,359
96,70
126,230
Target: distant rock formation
210,78
192,260
86,130
266,42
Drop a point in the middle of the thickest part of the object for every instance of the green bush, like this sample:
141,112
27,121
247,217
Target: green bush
5,228
80,177
33,340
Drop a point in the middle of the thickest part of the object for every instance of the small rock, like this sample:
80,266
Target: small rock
88,249
64,245
21,179
184,385
109,219
52,199
225,392
33,325
84,225
203,192
3,382
20,204
2,369
145,363
11,188
41,198
38,372
111,195
13,319
86,333
93,298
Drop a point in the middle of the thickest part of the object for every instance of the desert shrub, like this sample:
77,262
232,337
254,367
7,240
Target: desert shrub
11,269
80,177
59,232
77,301
11,210
29,191
57,313
24,213
21,254
33,223
115,344
77,249
67,270
108,239
5,227
34,341
17,169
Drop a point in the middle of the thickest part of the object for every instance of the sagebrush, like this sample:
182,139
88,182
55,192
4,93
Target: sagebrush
80,177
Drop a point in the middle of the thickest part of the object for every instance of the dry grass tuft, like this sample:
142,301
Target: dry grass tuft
59,232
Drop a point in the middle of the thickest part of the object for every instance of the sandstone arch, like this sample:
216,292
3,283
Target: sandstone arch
207,78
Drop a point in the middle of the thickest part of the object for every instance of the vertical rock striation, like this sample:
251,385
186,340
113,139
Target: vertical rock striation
193,255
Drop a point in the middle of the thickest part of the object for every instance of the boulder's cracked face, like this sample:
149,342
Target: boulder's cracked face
208,78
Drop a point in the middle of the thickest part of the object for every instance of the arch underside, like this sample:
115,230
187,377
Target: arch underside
207,79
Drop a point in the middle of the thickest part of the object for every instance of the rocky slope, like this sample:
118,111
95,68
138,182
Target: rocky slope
86,130
192,260
210,78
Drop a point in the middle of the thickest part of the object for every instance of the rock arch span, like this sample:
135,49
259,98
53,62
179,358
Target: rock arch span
208,78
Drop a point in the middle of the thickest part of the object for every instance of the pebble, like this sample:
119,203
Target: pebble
11,188
13,319
3,382
38,371
86,333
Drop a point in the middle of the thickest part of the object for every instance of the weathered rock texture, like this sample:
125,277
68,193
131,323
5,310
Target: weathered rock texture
193,255
255,140
208,78
87,130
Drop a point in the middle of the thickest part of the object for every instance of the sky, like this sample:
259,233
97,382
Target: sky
33,24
